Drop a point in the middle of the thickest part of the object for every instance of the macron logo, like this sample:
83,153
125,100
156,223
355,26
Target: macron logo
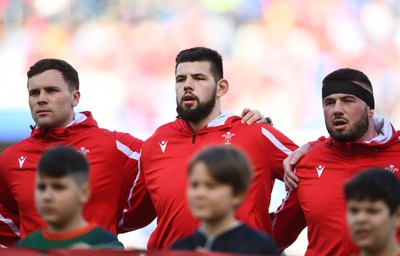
21,161
320,169
163,145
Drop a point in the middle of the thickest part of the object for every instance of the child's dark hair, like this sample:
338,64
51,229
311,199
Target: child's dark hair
61,161
226,165
375,184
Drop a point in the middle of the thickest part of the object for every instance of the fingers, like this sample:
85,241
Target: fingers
290,177
244,112
289,183
251,116
295,157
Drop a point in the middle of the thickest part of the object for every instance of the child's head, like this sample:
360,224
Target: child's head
61,185
373,208
218,180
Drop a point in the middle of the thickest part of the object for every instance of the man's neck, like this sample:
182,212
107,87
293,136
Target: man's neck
371,132
196,126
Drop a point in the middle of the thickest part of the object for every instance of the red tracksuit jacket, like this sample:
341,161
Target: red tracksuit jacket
164,160
114,176
319,201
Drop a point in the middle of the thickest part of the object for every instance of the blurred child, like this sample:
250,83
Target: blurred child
61,190
373,212
218,178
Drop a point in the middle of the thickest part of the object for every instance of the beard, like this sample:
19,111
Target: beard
356,131
199,113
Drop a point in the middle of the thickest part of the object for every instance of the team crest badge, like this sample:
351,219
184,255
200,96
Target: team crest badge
83,151
391,169
228,137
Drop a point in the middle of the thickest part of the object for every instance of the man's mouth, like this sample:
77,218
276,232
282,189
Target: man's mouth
42,111
188,99
339,123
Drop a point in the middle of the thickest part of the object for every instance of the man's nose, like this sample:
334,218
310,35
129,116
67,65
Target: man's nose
338,107
188,84
42,98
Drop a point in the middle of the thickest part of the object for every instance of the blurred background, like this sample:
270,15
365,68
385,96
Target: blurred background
276,53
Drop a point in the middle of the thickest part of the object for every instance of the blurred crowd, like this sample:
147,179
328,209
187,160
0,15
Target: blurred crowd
276,53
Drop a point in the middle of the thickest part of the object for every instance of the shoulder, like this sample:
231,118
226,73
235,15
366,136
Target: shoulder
103,232
265,130
103,138
252,233
21,148
186,243
257,240
104,238
189,242
22,144
30,240
176,125
171,129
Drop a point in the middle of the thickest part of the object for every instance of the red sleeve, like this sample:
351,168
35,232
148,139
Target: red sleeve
280,147
9,218
138,211
9,227
288,221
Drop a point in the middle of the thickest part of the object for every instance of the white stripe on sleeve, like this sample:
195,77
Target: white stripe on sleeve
11,224
127,151
275,141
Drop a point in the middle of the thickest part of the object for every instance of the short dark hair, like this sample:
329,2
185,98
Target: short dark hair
226,165
61,161
375,184
349,75
69,74
202,54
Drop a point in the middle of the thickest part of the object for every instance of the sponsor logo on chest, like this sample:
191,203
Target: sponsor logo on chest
163,145
320,169
21,161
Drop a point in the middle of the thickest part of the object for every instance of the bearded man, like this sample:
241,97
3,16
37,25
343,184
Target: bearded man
358,140
200,85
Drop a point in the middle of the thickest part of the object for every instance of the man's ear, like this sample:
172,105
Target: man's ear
370,112
222,87
76,96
